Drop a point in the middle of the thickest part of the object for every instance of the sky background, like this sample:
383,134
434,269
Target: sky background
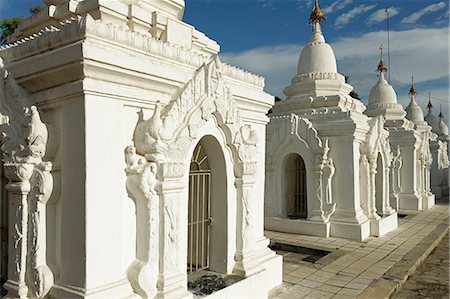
266,37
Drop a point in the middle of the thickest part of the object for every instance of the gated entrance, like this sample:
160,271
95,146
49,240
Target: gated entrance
296,196
199,211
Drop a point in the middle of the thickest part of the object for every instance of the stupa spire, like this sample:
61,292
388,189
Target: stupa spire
429,105
382,67
316,18
441,114
412,90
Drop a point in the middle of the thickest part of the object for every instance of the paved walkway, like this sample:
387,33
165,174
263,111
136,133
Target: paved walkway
432,278
375,268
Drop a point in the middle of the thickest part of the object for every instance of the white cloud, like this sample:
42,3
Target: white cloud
380,15
336,6
305,4
413,18
345,18
358,57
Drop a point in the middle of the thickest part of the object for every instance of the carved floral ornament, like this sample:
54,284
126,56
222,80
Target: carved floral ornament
23,144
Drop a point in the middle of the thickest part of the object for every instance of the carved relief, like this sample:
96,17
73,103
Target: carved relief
141,187
442,160
375,144
283,129
396,165
23,143
166,137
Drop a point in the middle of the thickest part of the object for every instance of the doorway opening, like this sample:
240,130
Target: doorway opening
296,193
199,212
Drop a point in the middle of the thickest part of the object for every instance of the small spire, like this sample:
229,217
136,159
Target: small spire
429,106
412,90
382,67
317,15
441,114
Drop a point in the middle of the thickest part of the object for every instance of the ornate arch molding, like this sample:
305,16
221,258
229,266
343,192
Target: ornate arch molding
293,128
155,168
23,144
377,143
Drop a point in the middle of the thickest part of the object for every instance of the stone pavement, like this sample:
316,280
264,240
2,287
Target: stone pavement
374,268
431,279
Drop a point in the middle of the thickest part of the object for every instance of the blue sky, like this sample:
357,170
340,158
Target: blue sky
266,37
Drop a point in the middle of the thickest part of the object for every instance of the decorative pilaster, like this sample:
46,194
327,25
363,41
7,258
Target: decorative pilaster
244,183
172,273
23,143
141,187
18,188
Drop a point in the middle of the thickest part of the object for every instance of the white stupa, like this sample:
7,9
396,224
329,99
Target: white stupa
431,119
383,98
413,111
443,128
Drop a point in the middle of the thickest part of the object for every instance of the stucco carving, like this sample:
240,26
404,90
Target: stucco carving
141,186
165,139
283,129
23,143
443,162
376,145
395,176
173,128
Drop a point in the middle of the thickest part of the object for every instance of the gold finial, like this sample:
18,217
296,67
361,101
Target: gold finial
412,90
382,67
317,15
429,106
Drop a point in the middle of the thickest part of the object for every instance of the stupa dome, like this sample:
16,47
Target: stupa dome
317,56
413,112
382,93
433,122
442,125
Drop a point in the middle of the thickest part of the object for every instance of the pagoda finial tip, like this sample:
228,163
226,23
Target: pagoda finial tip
317,15
382,66
412,90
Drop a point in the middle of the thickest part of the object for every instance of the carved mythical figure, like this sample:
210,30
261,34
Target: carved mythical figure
23,145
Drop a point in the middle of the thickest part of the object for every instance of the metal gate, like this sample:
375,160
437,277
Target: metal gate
199,213
296,194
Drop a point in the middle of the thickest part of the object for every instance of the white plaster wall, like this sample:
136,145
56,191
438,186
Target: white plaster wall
105,187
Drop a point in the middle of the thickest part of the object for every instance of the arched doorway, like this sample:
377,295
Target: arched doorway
295,192
207,208
379,186
199,213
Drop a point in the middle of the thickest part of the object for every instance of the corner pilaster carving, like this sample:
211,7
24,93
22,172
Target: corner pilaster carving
376,144
23,143
141,187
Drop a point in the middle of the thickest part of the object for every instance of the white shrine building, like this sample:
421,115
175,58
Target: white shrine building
327,164
439,151
409,142
133,157
421,169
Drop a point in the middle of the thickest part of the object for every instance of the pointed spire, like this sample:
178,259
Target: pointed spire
382,67
429,106
441,114
412,90
317,15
